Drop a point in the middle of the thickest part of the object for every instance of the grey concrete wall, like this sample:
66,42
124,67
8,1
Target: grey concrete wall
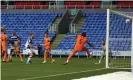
63,26
77,17
33,10
59,10
104,10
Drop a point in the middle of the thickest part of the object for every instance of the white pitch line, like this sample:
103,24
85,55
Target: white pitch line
33,70
60,74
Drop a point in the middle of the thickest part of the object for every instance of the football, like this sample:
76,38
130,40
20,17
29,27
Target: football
127,20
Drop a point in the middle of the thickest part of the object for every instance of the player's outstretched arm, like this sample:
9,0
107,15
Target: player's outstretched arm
92,45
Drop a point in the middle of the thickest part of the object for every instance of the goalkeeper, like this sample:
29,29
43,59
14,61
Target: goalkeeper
103,55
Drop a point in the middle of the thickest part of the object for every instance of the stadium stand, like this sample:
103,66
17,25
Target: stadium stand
4,5
95,27
25,22
125,4
95,4
123,30
79,4
68,4
31,5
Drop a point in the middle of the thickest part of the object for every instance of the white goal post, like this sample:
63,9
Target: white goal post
125,15
132,48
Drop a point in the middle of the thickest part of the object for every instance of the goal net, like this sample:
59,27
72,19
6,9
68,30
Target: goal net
119,37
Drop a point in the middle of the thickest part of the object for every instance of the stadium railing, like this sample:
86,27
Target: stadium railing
62,6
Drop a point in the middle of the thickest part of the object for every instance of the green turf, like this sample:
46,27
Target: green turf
121,63
19,70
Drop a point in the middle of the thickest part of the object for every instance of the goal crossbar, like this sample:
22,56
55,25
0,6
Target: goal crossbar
122,14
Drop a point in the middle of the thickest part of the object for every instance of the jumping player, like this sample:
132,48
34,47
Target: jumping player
15,46
29,46
79,46
4,40
47,47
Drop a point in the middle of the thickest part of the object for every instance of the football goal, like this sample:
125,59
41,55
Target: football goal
119,39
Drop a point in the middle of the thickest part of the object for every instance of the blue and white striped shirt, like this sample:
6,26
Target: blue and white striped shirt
29,42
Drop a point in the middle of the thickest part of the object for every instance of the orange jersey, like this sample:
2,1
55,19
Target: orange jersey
47,43
3,41
80,42
17,48
19,41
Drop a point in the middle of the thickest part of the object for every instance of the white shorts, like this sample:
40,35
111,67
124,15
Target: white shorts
9,52
29,51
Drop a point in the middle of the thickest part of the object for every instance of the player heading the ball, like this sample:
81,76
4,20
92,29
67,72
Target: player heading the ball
79,46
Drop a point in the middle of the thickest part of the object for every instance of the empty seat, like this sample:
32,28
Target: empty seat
25,22
95,27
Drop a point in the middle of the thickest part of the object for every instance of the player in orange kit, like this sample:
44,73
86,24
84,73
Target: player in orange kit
17,48
4,40
47,47
79,46
2,30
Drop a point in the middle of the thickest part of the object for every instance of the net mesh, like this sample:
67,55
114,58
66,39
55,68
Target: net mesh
120,39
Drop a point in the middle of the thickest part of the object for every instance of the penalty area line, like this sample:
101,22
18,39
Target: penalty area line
60,74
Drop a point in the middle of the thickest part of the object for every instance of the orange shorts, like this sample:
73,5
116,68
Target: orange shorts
4,47
47,50
75,50
17,48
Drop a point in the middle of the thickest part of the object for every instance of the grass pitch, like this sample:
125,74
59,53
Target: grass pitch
77,68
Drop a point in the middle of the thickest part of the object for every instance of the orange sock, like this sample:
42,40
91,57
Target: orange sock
8,59
45,57
88,52
20,57
5,55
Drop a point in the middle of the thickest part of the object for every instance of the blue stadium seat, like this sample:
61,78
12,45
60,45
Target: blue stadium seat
25,22
95,26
